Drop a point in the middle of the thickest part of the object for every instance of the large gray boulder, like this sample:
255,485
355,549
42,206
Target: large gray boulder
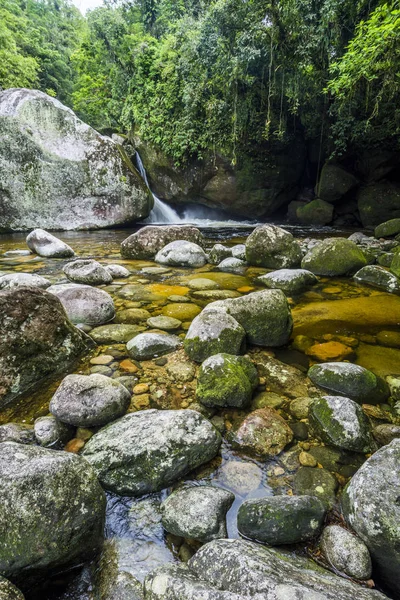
46,244
272,247
36,340
181,254
84,303
241,570
265,316
89,400
371,507
147,451
58,172
334,257
87,271
145,243
52,510
212,332
13,280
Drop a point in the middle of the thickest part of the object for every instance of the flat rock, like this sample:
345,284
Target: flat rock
13,280
290,281
115,333
164,323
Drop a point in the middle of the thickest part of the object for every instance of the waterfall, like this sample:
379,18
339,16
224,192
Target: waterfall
161,213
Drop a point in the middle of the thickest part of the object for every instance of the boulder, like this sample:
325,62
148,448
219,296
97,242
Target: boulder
36,341
148,345
145,243
265,316
218,253
290,281
52,510
239,251
335,182
225,380
334,257
351,381
52,433
263,434
386,433
395,265
388,228
340,422
232,265
8,591
371,507
87,271
84,304
241,570
212,332
197,513
17,432
149,450
345,552
181,254
45,244
316,212
89,400
316,482
378,277
117,271
271,247
379,202
279,520
13,280
58,172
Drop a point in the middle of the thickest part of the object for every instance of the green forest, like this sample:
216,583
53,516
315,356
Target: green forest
222,75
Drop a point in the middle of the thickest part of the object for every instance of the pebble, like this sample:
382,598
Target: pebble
307,460
102,369
141,402
141,388
74,445
128,366
83,434
160,362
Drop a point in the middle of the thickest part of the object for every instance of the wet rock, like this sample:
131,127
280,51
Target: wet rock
182,311
17,432
299,407
202,283
147,451
213,332
340,422
351,381
87,271
335,182
211,295
36,341
242,477
181,254
386,433
8,591
378,277
378,202
346,552
306,459
148,345
53,508
197,513
391,339
84,304
290,281
117,271
45,244
145,243
13,280
232,265
52,433
265,316
330,351
181,371
115,333
267,400
123,587
273,248
395,265
225,380
164,323
316,482
316,212
282,378
371,507
132,316
334,257
89,400
279,520
119,560
263,434
239,251
218,253
387,229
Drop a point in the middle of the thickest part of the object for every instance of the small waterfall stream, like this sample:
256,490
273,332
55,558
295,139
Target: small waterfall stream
161,213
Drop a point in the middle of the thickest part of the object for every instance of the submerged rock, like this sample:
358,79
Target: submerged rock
89,400
316,482
148,345
84,304
272,247
59,172
334,257
17,432
36,340
197,513
87,271
52,510
346,552
145,243
388,228
279,520
263,433
45,244
213,332
371,507
149,450
378,277
13,280
290,281
181,254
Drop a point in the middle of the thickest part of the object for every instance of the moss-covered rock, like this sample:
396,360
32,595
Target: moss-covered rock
378,277
226,380
316,212
388,228
272,247
213,332
316,482
335,182
395,265
334,257
379,202
263,434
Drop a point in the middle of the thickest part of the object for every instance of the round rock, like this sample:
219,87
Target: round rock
117,271
89,272
181,254
263,433
148,345
290,281
346,552
84,304
13,280
164,323
52,433
273,248
334,257
232,265
45,244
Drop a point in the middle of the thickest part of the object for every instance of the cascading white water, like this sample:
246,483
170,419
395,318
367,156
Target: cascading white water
161,213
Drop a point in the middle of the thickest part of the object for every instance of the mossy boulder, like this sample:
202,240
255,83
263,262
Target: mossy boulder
395,264
279,520
388,228
378,277
316,212
334,257
379,202
262,434
272,247
213,332
226,380
340,422
335,182
145,243
351,381
316,482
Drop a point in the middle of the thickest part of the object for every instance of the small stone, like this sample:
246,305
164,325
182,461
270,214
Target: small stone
164,323
128,366
201,283
161,362
141,388
307,460
103,359
83,434
149,345
330,351
299,407
141,402
17,432
75,445
240,477
386,433
388,338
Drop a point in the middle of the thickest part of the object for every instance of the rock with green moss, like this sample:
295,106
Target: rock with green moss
378,277
272,247
226,380
145,243
148,345
316,212
335,182
351,381
340,422
388,229
395,265
290,281
149,450
115,333
371,507
379,202
59,173
279,520
265,316
8,591
52,508
334,257
262,434
316,482
213,332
